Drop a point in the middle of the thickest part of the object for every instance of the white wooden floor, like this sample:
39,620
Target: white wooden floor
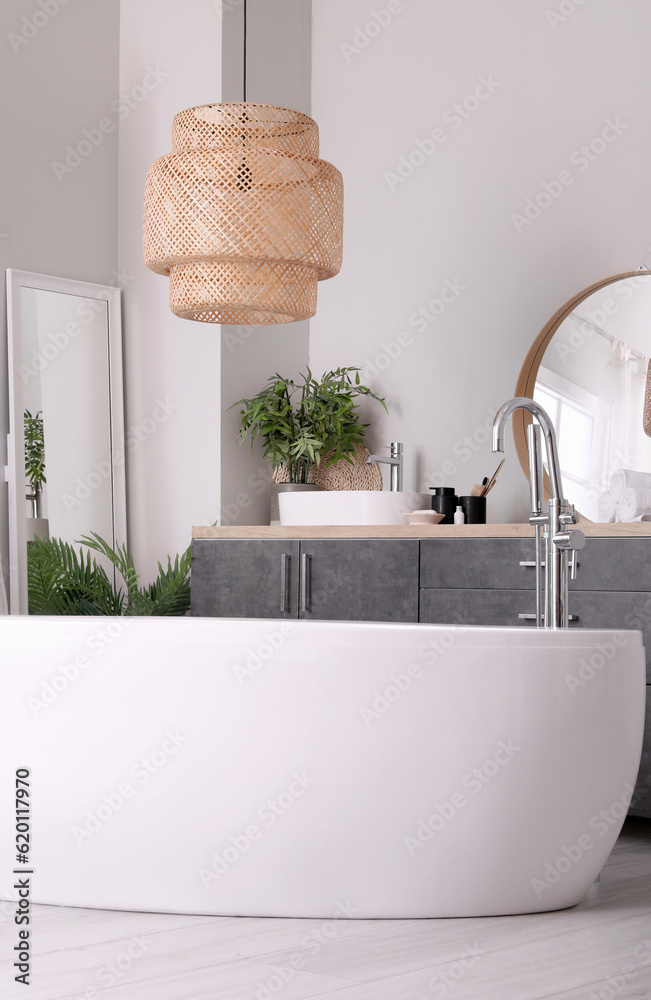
599,950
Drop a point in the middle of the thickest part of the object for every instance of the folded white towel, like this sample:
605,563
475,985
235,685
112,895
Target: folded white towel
607,508
624,479
632,503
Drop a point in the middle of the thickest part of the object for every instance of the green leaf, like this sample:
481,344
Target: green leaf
62,581
298,421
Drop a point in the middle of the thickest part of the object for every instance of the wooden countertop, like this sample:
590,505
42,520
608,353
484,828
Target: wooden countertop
616,530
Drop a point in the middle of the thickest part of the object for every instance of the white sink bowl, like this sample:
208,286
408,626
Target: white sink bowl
349,506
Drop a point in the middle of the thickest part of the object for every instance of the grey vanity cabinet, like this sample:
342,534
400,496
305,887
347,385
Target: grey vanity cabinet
325,579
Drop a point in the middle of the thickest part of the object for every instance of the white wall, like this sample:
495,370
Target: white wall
172,366
58,76
551,83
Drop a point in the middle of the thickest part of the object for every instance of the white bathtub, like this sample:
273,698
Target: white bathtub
314,769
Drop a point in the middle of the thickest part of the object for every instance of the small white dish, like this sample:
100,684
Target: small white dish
423,517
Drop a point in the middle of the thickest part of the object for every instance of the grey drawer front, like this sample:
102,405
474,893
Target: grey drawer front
475,607
477,563
241,578
474,563
614,564
642,797
361,579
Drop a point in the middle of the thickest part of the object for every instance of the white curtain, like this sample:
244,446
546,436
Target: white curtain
620,386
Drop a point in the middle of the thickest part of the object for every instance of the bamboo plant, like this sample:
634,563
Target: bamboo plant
300,421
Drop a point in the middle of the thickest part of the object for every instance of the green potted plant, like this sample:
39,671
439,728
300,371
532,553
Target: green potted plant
306,421
300,422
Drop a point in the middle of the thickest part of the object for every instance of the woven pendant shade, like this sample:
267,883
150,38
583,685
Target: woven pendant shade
242,215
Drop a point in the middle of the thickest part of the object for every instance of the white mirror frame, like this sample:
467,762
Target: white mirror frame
15,469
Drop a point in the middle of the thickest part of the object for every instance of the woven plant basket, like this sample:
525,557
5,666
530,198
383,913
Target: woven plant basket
242,215
340,476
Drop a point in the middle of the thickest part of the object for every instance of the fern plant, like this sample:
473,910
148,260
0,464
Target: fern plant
64,582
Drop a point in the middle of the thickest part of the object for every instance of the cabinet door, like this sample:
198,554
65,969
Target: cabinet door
642,796
245,578
359,580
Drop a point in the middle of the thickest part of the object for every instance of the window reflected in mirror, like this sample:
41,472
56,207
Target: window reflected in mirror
592,383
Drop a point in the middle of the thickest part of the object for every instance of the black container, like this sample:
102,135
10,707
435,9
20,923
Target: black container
474,508
445,501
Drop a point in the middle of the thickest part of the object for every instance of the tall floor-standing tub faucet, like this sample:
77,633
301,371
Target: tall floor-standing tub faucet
558,538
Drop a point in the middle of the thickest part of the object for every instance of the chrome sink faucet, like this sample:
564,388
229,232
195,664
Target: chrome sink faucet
558,538
395,461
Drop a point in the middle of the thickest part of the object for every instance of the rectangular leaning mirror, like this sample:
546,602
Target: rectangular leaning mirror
65,452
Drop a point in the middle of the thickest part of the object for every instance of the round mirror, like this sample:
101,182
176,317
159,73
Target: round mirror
588,368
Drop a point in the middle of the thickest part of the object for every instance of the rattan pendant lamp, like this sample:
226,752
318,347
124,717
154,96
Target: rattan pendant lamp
242,215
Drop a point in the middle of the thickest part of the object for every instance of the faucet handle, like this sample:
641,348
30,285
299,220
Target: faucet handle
571,516
569,540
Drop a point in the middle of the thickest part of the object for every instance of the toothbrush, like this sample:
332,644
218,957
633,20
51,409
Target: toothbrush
491,482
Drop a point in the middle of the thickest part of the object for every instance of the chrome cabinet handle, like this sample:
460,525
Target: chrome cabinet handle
306,582
285,561
574,564
531,618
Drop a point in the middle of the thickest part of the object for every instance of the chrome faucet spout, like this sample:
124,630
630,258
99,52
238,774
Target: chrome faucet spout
395,461
553,464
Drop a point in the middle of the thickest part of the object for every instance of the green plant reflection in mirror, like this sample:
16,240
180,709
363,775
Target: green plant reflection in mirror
35,459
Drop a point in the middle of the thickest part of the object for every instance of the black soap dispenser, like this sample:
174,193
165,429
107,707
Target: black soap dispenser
445,501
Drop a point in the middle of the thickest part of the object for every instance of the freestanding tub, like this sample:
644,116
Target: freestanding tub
313,769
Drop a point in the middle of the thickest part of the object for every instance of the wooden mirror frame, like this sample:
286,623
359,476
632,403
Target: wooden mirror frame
529,372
